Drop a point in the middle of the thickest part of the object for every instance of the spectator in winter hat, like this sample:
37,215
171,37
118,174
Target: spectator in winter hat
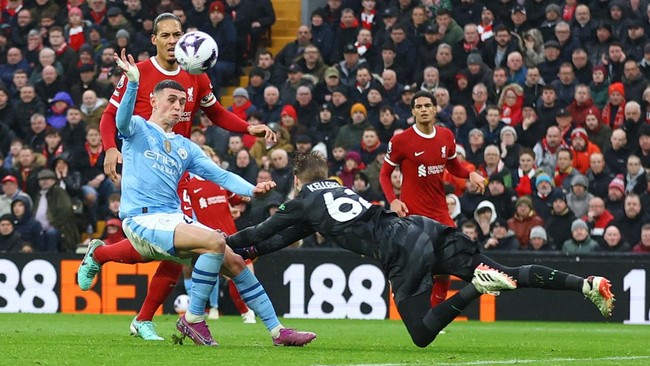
598,217
580,241
524,220
615,201
501,238
560,221
582,149
350,134
538,240
578,198
599,86
616,93
598,133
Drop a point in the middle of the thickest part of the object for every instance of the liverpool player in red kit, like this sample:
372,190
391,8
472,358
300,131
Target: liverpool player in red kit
210,204
423,152
166,32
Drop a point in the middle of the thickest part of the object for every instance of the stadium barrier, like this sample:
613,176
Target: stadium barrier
322,283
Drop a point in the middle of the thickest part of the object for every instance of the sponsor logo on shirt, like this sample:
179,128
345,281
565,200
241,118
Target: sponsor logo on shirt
163,162
209,201
182,153
426,170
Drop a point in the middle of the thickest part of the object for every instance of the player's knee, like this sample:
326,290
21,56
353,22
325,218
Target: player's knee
422,340
216,242
234,264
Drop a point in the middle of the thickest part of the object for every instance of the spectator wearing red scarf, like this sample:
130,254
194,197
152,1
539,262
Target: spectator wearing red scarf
614,112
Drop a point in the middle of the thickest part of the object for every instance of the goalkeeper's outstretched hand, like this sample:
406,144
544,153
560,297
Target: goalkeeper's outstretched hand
246,252
128,66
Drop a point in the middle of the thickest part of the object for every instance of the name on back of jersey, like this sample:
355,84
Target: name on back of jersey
322,185
425,170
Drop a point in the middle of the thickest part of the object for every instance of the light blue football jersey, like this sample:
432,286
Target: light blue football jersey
154,162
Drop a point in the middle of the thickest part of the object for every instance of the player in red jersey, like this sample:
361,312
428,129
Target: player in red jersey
423,152
166,32
210,204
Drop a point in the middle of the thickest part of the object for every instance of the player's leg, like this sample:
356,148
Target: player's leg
441,284
596,288
256,298
214,302
187,279
98,253
161,286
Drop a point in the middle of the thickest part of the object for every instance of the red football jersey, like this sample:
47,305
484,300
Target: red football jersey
422,160
210,204
151,73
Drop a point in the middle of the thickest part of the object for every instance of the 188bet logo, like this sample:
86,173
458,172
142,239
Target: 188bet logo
328,283
38,278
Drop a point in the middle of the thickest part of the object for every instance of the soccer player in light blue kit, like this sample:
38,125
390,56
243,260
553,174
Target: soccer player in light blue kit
155,158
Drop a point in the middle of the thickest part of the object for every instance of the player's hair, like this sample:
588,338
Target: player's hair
310,167
168,84
161,17
423,93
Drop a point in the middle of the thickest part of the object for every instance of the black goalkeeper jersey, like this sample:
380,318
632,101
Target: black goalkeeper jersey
404,247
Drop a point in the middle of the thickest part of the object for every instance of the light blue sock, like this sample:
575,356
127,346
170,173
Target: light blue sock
205,276
214,296
187,282
253,294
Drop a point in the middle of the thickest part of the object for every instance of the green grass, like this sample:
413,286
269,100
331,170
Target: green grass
58,339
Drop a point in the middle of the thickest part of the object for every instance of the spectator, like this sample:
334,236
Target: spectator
524,220
64,54
10,240
15,61
92,107
361,186
633,123
350,134
546,150
73,132
502,197
28,105
616,156
547,107
426,52
24,22
545,195
644,245
538,240
289,121
599,86
509,147
256,87
613,242
262,149
292,50
532,85
281,172
615,202
53,209
88,82
633,218
36,136
644,147
198,14
531,127
484,215
242,106
564,170
322,35
614,62
635,179
499,80
598,217
272,106
459,184
582,149
550,67
402,108
552,15
453,205
581,66
580,241
460,126
584,26
10,192
253,19
30,230
578,197
560,221
598,133
322,92
477,109
582,105
501,238
312,64
222,29
244,166
476,150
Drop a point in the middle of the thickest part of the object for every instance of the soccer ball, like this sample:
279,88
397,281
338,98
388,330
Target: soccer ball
196,52
181,303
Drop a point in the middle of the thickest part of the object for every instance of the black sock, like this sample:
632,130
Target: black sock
537,276
443,314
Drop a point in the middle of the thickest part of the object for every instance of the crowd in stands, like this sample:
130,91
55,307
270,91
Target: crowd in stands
548,100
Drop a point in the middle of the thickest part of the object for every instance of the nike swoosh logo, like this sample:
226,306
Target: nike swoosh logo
186,208
197,190
419,153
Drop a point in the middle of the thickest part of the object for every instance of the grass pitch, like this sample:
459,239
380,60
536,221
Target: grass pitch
62,339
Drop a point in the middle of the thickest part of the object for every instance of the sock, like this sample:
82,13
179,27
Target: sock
187,283
214,296
441,285
439,317
161,286
236,298
255,296
121,252
205,276
537,276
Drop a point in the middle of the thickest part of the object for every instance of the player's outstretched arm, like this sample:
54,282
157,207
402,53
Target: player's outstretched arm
278,241
125,111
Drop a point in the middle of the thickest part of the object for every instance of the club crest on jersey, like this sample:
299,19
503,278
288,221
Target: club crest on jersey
443,151
182,153
190,94
168,146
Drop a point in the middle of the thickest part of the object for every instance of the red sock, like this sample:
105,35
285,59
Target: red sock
240,304
121,252
162,284
439,292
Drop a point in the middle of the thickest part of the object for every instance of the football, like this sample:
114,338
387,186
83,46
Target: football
181,303
196,52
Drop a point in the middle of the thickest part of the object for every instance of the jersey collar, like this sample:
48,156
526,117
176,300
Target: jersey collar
167,134
163,71
424,135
